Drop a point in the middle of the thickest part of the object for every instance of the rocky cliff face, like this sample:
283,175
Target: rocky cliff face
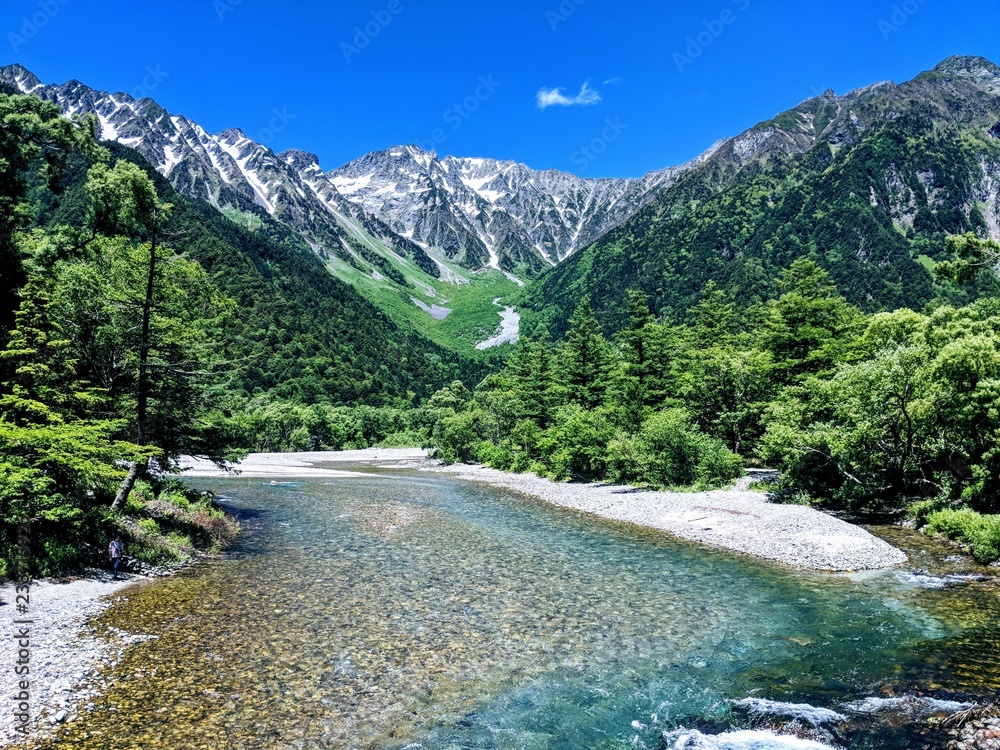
486,209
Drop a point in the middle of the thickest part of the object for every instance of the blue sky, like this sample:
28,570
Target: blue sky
629,87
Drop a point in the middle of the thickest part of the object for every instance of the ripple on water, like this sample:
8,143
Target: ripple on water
373,613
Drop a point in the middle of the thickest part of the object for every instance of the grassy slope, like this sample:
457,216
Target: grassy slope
469,295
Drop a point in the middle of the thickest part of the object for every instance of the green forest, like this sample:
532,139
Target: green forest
138,326
861,209
882,412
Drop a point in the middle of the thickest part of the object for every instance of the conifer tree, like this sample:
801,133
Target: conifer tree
585,357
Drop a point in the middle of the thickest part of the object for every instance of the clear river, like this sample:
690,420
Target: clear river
403,610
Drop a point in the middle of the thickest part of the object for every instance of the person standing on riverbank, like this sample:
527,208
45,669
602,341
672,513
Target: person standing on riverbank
115,551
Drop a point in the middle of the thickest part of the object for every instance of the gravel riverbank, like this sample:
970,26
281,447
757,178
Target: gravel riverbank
740,521
64,653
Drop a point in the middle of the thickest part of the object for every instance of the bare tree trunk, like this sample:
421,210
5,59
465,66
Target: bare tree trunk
134,472
142,386
142,395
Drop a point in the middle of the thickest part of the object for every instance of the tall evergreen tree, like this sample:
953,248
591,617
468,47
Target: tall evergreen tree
585,357
808,326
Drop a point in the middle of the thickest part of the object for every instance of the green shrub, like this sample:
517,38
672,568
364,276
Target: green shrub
522,463
153,552
497,456
135,504
142,492
456,437
625,458
784,492
981,533
717,465
149,525
176,498
670,451
536,467
921,509
181,540
576,445
671,445
56,557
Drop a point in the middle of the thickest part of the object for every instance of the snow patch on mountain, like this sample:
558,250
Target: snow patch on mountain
508,333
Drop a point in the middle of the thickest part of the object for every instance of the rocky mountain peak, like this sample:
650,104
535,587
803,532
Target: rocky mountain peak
969,66
20,78
232,135
489,208
301,161
977,70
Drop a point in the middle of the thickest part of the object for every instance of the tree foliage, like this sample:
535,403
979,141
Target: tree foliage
136,330
860,411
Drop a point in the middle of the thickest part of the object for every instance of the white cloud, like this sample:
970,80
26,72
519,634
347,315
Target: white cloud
549,97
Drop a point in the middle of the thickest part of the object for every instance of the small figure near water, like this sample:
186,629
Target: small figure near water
115,551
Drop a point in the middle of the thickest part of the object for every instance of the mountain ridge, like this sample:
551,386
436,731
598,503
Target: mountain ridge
554,213
474,211
409,218
868,183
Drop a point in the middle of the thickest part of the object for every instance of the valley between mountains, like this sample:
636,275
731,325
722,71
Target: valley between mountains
792,334
869,179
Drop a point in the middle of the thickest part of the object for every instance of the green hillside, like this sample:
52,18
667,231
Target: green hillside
313,336
868,186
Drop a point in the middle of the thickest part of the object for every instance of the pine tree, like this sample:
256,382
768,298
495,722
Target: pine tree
808,326
585,357
632,383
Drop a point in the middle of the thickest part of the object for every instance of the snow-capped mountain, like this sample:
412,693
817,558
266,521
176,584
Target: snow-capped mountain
475,208
234,173
476,212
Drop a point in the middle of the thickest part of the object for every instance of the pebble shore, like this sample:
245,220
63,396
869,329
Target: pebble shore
976,729
65,653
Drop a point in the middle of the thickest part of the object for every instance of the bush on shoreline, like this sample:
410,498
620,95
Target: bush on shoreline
978,531
164,523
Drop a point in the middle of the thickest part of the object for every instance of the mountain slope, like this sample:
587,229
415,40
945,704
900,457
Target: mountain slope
253,186
475,212
484,211
229,170
868,183
300,333
408,230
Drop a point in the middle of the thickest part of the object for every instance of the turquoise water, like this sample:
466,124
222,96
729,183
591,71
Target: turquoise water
413,611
